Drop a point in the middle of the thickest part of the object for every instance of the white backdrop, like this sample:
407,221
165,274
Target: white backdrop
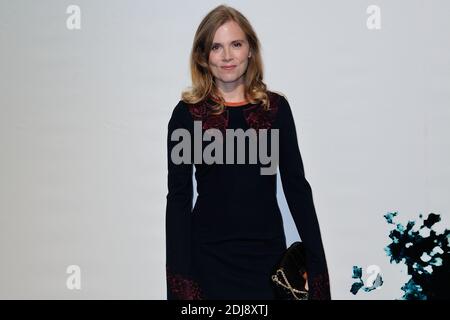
83,124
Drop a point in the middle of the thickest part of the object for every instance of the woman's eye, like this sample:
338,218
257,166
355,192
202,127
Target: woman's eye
237,44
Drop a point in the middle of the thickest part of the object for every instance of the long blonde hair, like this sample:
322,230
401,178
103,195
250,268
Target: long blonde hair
203,85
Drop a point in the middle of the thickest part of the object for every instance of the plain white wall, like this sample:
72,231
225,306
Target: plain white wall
83,120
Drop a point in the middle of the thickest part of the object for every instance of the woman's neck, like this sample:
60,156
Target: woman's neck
233,94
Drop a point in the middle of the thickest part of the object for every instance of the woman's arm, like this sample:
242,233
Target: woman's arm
299,197
180,284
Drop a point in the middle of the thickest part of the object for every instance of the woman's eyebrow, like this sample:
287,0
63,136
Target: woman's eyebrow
239,40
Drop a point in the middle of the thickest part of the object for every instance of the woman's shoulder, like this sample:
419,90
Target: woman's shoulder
277,96
183,107
279,103
283,109
180,112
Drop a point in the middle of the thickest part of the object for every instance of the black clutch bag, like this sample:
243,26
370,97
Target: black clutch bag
287,275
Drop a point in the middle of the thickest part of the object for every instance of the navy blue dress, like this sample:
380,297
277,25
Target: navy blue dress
227,244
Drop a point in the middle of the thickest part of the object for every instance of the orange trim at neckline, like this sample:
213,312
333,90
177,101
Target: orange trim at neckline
234,104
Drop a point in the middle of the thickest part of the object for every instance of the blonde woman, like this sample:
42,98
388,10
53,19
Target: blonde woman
226,246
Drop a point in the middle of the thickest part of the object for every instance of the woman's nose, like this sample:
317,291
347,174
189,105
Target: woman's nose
226,54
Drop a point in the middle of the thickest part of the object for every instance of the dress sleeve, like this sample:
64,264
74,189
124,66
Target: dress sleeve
299,198
180,283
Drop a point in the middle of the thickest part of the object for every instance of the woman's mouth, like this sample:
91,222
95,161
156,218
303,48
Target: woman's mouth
228,67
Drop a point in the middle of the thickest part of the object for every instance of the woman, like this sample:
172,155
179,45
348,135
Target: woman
228,245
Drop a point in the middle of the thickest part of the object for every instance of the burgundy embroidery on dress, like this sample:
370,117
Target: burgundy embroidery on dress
183,288
258,118
198,110
202,112
255,116
320,287
216,121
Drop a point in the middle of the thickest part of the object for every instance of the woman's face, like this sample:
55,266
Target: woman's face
230,48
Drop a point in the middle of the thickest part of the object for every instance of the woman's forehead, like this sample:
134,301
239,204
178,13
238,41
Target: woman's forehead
230,31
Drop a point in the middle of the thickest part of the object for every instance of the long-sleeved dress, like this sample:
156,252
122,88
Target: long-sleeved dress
226,246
